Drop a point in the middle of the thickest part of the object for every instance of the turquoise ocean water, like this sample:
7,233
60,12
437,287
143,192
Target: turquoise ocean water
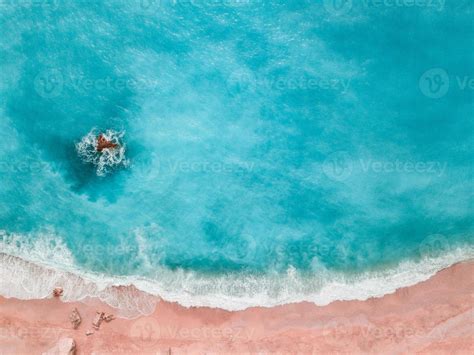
264,141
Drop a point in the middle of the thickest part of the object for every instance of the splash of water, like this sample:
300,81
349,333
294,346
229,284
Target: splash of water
108,159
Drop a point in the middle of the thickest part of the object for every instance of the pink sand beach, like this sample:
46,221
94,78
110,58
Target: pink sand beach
432,317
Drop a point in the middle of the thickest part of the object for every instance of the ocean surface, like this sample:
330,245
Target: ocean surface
271,151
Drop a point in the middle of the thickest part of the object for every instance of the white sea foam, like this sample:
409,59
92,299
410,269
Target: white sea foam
108,159
30,272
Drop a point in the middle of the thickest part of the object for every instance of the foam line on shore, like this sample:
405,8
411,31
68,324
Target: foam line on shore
34,277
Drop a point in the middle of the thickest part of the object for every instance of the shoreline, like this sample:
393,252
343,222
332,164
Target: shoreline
433,316
135,296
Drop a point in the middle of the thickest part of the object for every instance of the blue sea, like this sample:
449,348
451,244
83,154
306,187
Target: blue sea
270,151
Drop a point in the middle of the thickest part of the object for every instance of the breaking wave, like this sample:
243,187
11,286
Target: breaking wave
50,264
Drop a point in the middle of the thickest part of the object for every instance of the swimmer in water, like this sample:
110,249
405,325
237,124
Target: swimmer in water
103,143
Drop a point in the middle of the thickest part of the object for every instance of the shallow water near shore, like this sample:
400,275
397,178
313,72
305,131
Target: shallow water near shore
263,140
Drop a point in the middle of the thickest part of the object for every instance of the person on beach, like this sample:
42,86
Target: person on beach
103,143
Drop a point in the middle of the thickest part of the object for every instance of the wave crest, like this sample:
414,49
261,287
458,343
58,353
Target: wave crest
28,275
